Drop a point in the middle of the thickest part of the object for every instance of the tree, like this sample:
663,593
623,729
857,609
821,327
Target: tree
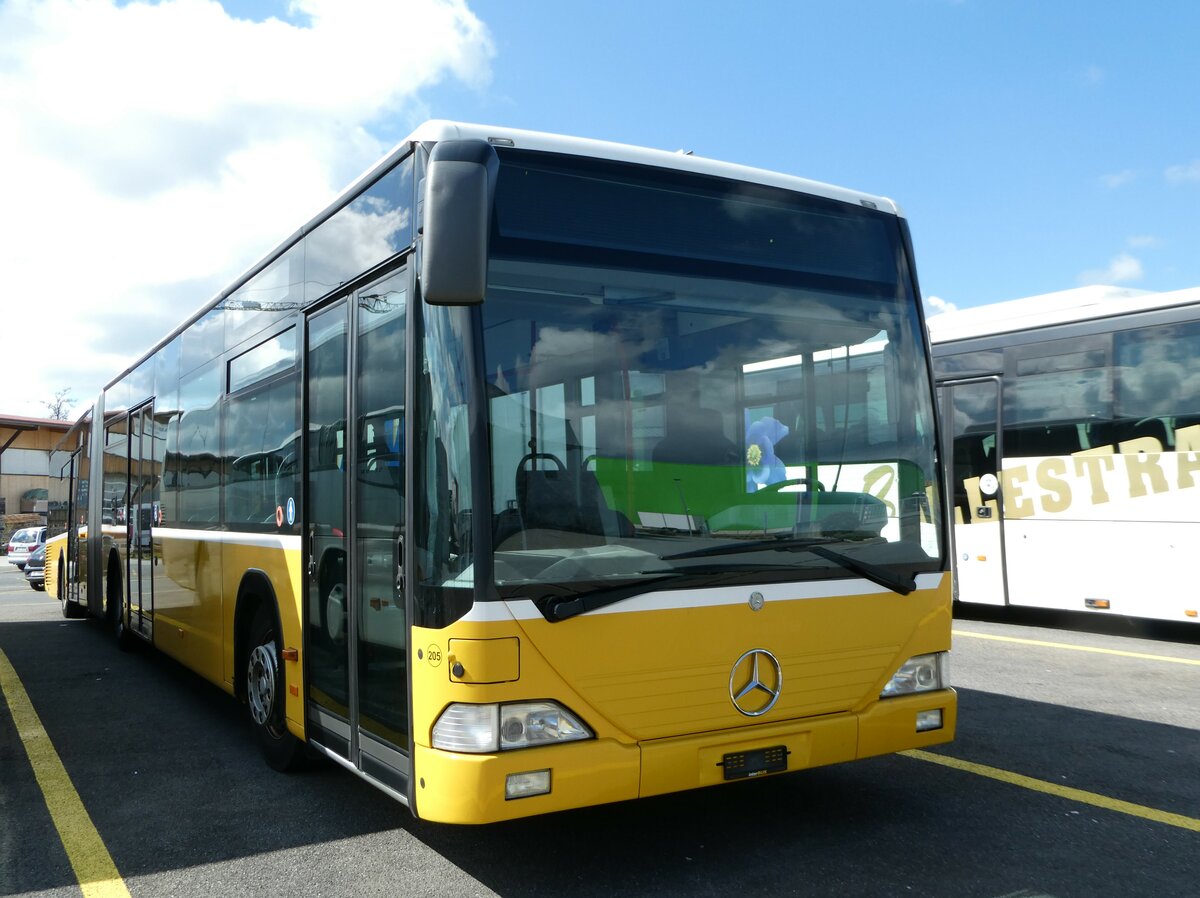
60,408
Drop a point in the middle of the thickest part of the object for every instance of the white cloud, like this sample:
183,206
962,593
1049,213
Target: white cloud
935,305
153,151
1184,174
1121,269
1119,179
1142,241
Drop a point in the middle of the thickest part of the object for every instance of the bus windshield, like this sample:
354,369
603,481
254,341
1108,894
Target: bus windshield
677,364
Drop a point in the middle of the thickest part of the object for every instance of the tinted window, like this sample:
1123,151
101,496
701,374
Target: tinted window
590,203
267,359
963,364
375,226
261,442
116,453
1158,371
166,423
202,342
1055,393
272,294
196,465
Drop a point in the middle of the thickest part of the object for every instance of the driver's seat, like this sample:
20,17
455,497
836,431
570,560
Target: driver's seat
546,497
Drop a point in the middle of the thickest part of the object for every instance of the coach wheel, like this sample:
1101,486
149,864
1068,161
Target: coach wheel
114,611
265,690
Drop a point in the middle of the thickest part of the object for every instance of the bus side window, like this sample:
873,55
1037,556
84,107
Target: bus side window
1041,440
1150,428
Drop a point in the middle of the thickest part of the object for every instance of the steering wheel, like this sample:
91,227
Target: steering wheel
795,481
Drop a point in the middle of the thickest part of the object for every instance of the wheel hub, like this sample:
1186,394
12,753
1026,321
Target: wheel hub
260,683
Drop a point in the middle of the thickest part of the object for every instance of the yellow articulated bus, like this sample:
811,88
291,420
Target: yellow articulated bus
535,473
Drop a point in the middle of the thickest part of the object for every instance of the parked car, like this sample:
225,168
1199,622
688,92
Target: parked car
22,544
35,568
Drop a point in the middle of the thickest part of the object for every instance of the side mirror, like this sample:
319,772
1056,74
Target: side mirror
459,184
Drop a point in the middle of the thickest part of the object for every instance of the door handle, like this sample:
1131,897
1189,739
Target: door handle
399,556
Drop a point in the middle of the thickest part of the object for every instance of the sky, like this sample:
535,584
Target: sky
152,151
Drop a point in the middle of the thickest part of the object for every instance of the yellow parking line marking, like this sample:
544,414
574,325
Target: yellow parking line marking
1071,794
1078,648
94,867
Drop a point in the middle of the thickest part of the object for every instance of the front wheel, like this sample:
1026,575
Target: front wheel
265,691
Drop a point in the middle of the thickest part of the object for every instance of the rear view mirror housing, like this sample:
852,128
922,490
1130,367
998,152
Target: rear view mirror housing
460,183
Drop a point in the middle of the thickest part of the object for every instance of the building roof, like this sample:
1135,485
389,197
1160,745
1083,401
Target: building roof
19,422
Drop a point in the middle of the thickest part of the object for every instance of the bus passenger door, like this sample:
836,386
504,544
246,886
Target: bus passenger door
356,634
74,573
971,418
140,513
79,532
327,588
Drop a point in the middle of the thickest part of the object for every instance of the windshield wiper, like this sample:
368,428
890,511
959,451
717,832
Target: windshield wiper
873,572
559,608
562,606
776,544
816,545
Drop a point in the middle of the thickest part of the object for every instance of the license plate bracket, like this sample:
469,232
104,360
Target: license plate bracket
756,762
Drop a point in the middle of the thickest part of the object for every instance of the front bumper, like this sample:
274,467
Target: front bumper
466,788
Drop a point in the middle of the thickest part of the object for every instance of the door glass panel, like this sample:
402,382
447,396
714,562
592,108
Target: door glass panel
973,431
977,494
141,517
325,371
77,534
379,511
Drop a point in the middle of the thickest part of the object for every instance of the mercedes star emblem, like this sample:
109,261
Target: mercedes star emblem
755,682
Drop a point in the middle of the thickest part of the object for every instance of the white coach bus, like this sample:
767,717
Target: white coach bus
1074,426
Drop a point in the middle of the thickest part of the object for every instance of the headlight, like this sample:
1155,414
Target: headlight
538,723
488,728
921,673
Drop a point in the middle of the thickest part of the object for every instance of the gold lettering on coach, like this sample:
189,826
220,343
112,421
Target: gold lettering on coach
1056,482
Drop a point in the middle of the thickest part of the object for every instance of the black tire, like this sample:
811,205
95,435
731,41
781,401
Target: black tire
114,610
69,609
266,693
